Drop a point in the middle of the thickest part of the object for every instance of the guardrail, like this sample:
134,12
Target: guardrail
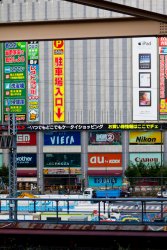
87,211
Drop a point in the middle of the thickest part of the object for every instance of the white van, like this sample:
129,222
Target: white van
88,192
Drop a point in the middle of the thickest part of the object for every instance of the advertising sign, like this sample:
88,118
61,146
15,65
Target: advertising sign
26,160
104,160
148,159
62,160
145,137
26,139
58,78
33,81
105,138
1,82
144,78
105,181
60,171
162,41
62,138
15,80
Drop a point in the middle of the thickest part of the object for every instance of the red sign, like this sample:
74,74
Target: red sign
105,160
26,173
26,139
162,41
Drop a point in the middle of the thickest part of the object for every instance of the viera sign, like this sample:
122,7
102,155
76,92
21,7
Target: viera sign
145,137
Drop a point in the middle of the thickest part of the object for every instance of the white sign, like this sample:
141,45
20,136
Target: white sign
145,67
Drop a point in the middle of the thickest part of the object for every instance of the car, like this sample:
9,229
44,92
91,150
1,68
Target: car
130,219
162,194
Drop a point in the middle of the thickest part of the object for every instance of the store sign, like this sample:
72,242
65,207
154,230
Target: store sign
33,81
15,80
26,139
58,78
26,160
62,138
105,181
162,41
144,78
145,138
104,160
62,160
105,138
27,173
27,179
60,171
148,159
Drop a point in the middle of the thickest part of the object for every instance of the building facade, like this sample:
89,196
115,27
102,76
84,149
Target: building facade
80,82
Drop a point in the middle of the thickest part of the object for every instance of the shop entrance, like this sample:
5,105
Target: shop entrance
62,184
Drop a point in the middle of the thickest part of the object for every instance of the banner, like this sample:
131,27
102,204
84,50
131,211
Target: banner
105,138
33,81
26,160
26,139
148,159
15,80
145,137
162,42
62,138
58,81
61,171
144,78
104,160
62,160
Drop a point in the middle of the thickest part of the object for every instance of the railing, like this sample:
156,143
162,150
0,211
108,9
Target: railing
113,211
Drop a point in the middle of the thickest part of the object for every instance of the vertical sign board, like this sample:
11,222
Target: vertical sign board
33,81
162,41
58,81
144,79
15,80
0,82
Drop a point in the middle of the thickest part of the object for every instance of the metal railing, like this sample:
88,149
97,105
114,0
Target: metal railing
135,211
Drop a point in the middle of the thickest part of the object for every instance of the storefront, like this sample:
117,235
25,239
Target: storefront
62,171
105,170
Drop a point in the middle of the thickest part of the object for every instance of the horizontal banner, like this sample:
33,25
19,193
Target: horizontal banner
145,137
104,160
48,171
80,127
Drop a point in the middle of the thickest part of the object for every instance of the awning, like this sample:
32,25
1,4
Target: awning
105,173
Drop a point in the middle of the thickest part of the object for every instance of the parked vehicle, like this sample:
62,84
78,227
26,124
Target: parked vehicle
162,194
108,193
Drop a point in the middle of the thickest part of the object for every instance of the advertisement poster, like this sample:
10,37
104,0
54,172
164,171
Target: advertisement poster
62,160
15,80
162,42
105,160
58,81
144,61
145,138
148,159
62,138
33,81
105,138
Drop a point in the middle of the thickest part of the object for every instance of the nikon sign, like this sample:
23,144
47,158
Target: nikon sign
145,137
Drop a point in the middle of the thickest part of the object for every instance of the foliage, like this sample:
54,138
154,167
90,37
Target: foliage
136,171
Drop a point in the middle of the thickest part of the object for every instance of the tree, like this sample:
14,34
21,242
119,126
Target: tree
4,175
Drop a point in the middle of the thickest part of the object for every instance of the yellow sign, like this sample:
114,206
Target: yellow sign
145,137
58,81
62,171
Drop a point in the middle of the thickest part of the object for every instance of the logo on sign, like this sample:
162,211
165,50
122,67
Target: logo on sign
23,138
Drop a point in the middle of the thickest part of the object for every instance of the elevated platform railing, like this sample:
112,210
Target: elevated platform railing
113,211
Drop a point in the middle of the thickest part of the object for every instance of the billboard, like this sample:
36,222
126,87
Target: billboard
58,81
162,42
147,159
105,160
62,160
26,160
61,171
26,139
105,138
15,80
62,138
144,78
145,137
33,81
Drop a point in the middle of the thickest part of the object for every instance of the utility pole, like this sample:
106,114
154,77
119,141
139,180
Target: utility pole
12,167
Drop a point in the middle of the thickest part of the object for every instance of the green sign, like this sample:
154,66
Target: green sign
15,80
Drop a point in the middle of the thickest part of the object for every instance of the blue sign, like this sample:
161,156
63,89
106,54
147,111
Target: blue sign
62,138
105,181
26,160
